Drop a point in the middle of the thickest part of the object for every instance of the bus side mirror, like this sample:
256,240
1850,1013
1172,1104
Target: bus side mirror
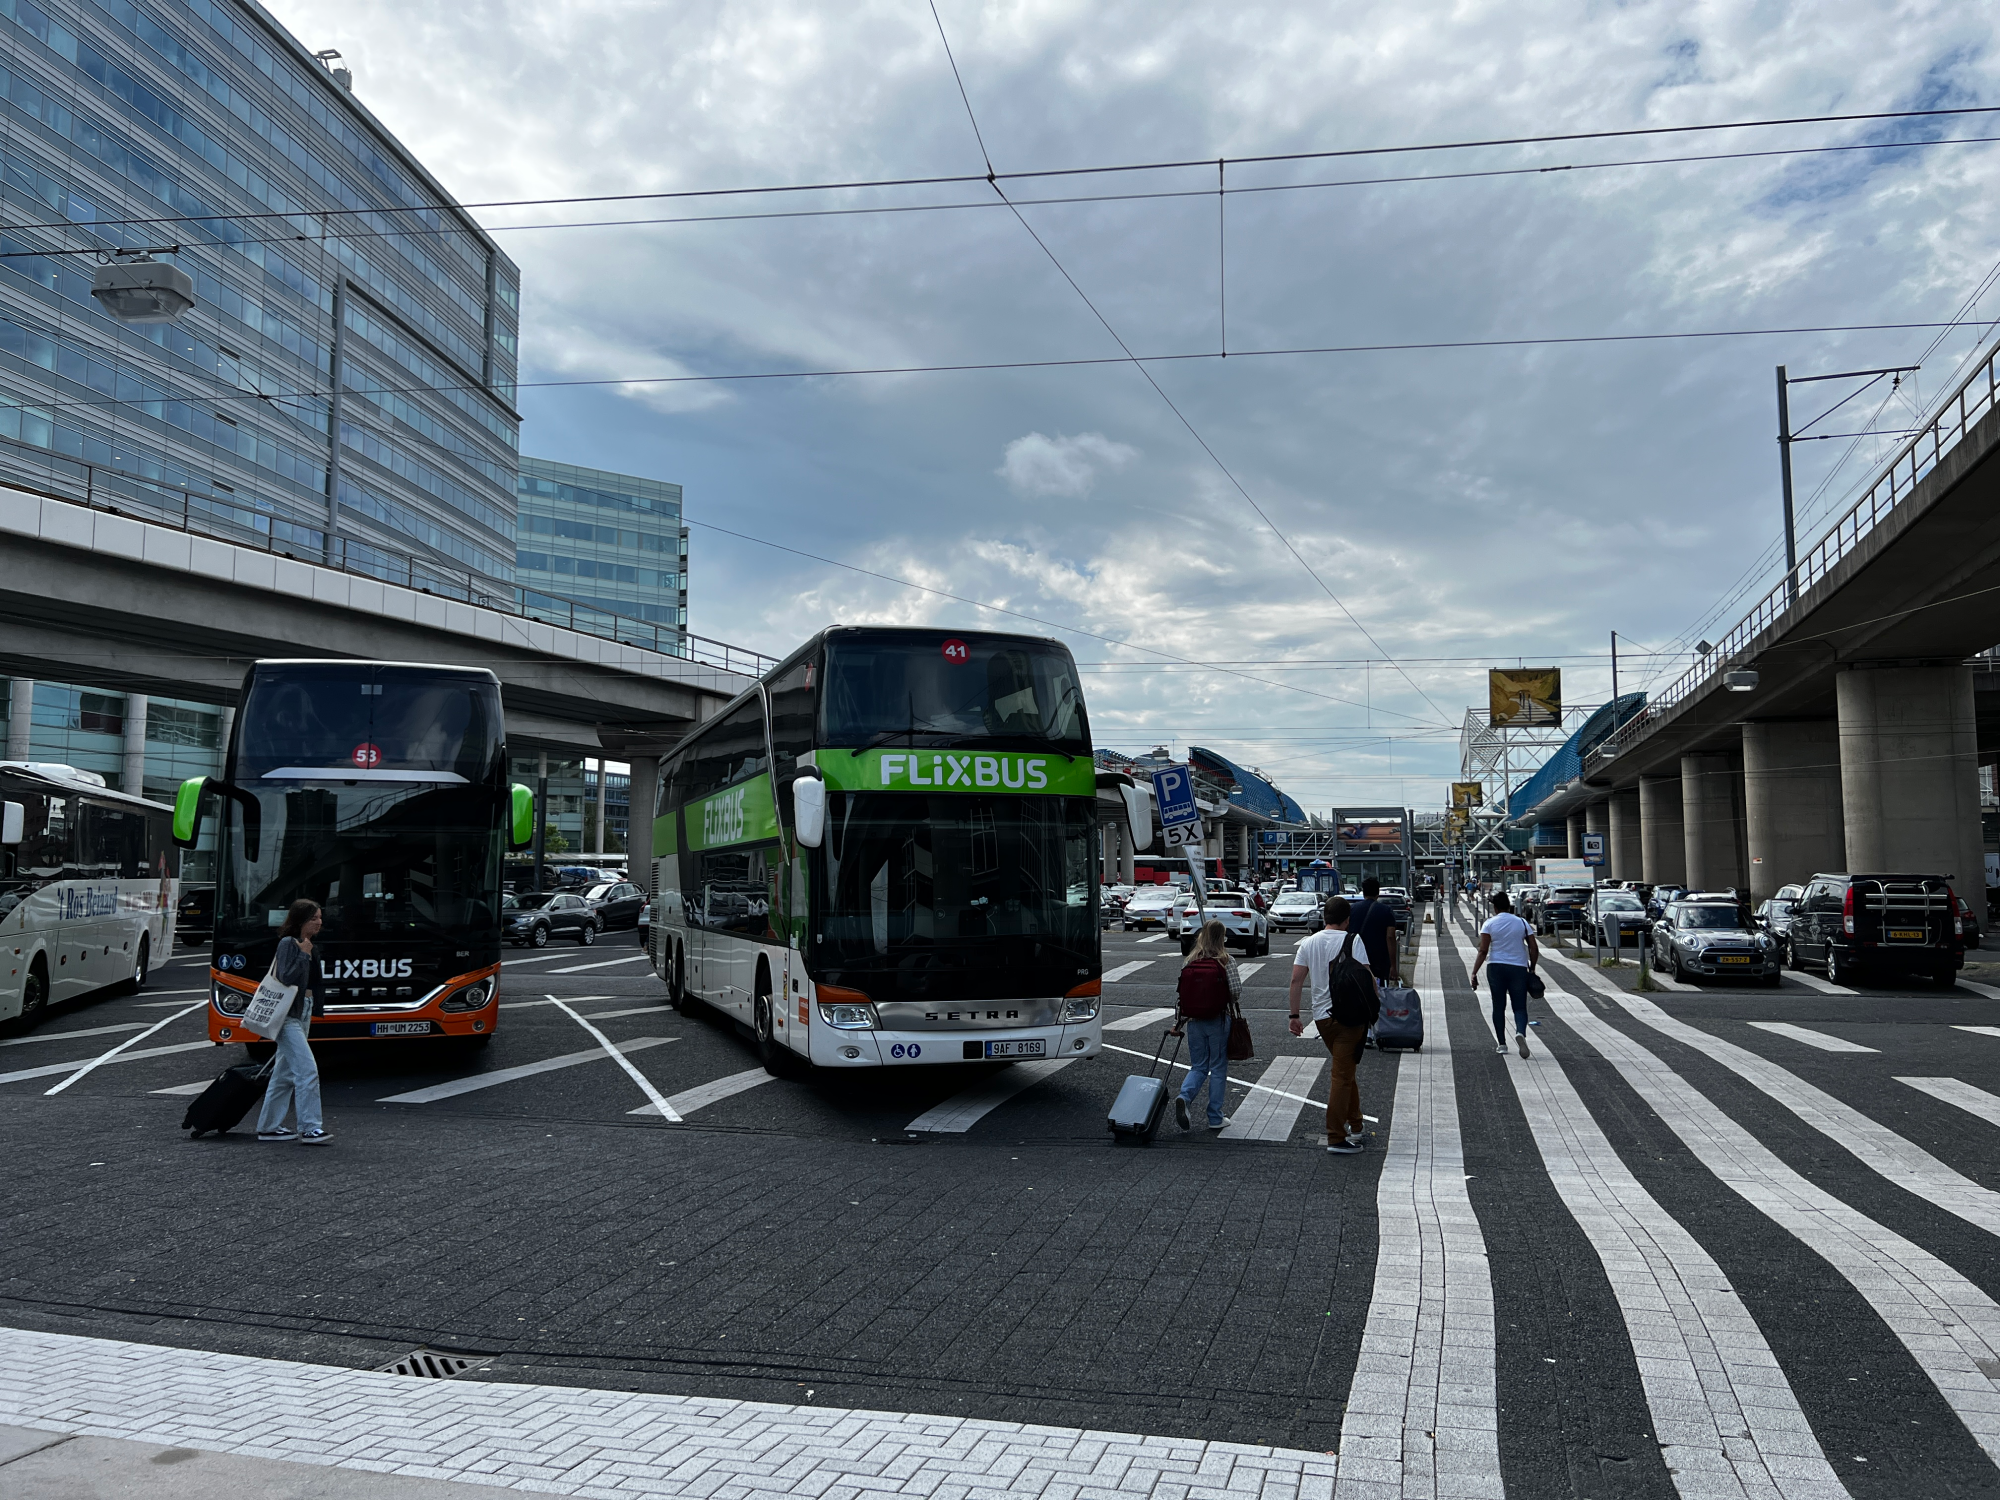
809,811
1138,817
187,811
521,822
13,822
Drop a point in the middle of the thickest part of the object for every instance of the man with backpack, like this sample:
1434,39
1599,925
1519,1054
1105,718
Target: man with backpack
1345,1003
1373,923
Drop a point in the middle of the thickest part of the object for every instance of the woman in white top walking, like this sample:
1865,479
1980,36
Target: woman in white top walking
1508,949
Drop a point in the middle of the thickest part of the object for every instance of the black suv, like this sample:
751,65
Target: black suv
1903,924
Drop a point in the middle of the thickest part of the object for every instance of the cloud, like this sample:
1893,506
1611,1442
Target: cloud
1042,465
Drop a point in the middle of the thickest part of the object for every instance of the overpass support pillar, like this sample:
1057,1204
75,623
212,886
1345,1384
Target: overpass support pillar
1662,837
1597,819
1791,802
1576,832
1710,825
1128,873
20,717
132,765
639,823
1625,848
1909,772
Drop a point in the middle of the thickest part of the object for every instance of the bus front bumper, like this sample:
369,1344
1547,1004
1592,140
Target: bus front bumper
870,1049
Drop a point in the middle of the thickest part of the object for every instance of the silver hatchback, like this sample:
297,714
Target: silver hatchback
1712,940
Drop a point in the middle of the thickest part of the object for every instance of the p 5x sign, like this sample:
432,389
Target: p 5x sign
1173,790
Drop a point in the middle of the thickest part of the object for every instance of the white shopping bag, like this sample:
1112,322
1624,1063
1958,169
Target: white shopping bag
270,1006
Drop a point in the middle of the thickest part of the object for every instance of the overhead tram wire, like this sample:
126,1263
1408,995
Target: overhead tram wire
1158,389
1036,174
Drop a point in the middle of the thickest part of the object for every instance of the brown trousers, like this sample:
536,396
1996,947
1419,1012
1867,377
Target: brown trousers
1343,1094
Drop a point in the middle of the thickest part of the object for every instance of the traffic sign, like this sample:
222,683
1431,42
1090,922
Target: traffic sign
1593,848
1173,790
1184,835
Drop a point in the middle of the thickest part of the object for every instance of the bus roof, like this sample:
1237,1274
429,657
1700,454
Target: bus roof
348,663
67,781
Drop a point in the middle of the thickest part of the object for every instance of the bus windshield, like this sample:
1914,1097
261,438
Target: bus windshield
980,689
986,894
385,861
383,721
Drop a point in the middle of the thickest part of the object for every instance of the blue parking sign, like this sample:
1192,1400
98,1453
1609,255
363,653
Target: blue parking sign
1173,790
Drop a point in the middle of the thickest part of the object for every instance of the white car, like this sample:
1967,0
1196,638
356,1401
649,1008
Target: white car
1150,906
1246,925
1300,909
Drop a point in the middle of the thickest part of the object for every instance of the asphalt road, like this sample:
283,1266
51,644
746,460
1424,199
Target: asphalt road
800,1241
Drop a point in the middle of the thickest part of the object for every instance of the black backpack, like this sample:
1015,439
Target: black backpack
1350,985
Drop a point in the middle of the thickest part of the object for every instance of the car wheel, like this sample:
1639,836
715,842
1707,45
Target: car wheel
1680,969
539,938
586,934
1946,974
1838,970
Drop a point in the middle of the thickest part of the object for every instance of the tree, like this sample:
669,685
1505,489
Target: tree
553,842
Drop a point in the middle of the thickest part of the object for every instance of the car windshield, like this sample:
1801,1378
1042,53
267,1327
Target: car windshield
1708,918
1618,903
600,892
533,901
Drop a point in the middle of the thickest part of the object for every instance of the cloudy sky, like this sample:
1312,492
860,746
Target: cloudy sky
1460,507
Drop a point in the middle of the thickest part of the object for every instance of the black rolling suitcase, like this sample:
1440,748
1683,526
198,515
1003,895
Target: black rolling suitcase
1142,1101
1400,1027
227,1100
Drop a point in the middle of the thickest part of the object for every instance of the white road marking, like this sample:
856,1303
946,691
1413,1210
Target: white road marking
1949,1326
617,1055
1719,1399
1141,1021
1155,937
544,957
965,1109
573,999
638,1010
50,1070
1875,1146
1422,1398
1246,970
700,1097
479,1081
1964,1095
1980,1030
168,1004
63,1036
636,958
1814,982
98,1062
1980,989
1114,975
1819,1039
1271,1114
196,1087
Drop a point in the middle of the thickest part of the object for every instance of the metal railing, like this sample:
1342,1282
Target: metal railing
204,513
1977,395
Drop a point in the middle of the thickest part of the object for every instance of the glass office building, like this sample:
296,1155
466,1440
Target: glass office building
611,541
344,384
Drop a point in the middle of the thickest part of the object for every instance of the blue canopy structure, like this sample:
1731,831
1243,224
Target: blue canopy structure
1567,763
1248,790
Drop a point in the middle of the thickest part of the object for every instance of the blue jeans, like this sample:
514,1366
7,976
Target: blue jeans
294,1085
1508,981
1208,1063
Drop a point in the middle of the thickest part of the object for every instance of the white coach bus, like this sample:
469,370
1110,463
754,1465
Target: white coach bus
88,887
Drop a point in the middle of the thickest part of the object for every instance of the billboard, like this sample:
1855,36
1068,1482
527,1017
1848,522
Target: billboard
1525,697
1467,794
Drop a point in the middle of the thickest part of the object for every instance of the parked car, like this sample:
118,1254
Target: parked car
1300,909
1398,901
194,917
616,903
1610,914
1562,907
1711,938
645,922
1246,926
1663,896
533,919
1149,907
1968,924
1775,917
1893,924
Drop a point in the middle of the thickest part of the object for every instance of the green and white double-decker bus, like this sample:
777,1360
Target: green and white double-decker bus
884,854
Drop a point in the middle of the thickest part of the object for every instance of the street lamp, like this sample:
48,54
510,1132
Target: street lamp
1740,680
135,288
1786,437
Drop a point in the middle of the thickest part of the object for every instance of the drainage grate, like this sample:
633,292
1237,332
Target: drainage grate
426,1364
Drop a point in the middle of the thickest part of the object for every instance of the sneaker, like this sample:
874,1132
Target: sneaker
1181,1114
1521,1041
1347,1148
1501,1049
315,1138
277,1135
1222,1124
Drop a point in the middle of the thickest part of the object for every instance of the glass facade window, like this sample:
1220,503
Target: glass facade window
572,805
612,541
186,113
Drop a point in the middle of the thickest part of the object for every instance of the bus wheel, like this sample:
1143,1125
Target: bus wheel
141,966
778,1059
35,994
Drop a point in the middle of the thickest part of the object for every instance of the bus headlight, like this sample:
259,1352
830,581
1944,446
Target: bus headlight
1080,1004
472,997
846,1010
230,1002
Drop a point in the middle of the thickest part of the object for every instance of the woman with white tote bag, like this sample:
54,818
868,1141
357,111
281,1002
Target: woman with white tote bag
294,1086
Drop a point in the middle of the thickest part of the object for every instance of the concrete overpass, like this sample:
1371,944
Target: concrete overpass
101,599
1852,743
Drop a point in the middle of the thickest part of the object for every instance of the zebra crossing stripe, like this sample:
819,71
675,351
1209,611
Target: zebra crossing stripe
1949,1326
1719,1399
967,1108
1979,1030
1270,1114
1141,1021
1819,1039
1972,1100
1112,976
1875,1146
1422,1415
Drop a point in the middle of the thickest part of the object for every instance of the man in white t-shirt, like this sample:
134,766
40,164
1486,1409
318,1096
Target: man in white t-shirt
1507,946
1312,962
